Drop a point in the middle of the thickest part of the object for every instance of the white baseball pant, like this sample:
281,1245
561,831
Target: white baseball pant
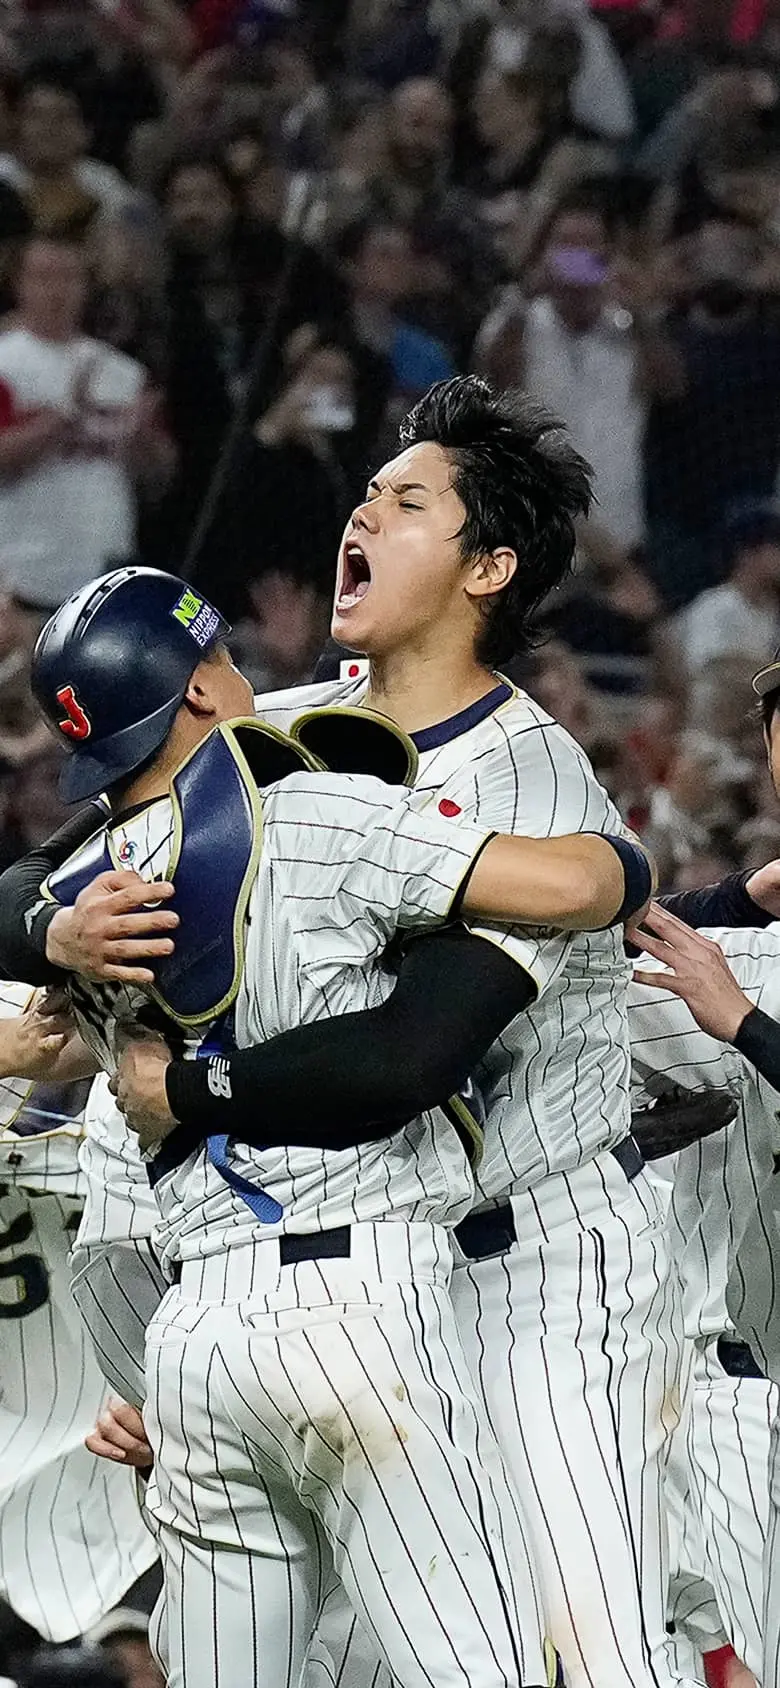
312,1416
574,1336
728,1449
693,1614
770,1672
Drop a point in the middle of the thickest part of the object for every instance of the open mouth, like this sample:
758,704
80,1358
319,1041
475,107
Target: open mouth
355,577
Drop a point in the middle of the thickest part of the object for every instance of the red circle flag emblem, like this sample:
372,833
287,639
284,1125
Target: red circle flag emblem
448,808
75,723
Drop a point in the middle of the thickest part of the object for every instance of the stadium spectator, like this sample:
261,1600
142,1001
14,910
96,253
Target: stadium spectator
590,360
62,188
739,619
79,431
713,434
420,121
300,461
278,643
378,259
500,35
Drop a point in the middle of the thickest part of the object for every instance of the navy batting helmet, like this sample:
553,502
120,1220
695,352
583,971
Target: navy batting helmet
111,667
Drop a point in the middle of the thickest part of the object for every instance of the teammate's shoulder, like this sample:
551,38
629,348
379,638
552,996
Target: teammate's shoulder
523,721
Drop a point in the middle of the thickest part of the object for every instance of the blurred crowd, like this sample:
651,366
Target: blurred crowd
115,1655
239,237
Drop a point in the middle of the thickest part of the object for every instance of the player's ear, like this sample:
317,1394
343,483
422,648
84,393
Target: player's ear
199,696
491,572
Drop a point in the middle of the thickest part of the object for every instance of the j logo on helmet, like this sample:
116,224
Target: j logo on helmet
76,724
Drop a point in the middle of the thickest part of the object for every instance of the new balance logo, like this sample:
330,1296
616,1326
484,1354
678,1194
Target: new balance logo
218,1078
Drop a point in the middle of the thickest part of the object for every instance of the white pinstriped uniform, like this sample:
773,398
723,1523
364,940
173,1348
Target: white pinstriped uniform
716,1183
570,1333
71,1536
322,1414
117,1282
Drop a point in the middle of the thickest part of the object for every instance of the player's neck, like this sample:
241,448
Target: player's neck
418,691
155,780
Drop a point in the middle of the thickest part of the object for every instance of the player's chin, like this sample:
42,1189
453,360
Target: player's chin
351,629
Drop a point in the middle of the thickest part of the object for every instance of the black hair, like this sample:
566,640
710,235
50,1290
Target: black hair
522,484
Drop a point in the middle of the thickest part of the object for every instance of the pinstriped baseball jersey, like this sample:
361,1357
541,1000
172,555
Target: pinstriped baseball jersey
118,1203
716,1181
346,862
556,1084
71,1535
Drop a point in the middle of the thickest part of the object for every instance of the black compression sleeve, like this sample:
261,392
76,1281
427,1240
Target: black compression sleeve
725,904
758,1039
348,1080
22,931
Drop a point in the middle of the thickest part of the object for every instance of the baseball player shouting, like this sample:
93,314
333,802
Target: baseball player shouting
562,1297
215,1209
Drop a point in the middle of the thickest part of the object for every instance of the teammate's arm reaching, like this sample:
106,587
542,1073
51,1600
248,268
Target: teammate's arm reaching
697,971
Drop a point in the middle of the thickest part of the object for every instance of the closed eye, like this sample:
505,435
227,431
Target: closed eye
405,505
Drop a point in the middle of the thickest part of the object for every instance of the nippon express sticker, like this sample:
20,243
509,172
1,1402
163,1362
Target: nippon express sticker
197,616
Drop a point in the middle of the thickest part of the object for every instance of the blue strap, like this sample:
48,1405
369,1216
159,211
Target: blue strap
264,1208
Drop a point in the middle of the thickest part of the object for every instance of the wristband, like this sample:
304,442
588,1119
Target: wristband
199,1092
637,875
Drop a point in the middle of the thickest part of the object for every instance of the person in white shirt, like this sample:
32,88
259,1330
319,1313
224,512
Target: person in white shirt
601,96
739,619
573,350
79,427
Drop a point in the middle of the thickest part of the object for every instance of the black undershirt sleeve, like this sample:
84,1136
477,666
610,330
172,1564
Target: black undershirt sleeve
725,904
22,932
758,1039
354,1078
